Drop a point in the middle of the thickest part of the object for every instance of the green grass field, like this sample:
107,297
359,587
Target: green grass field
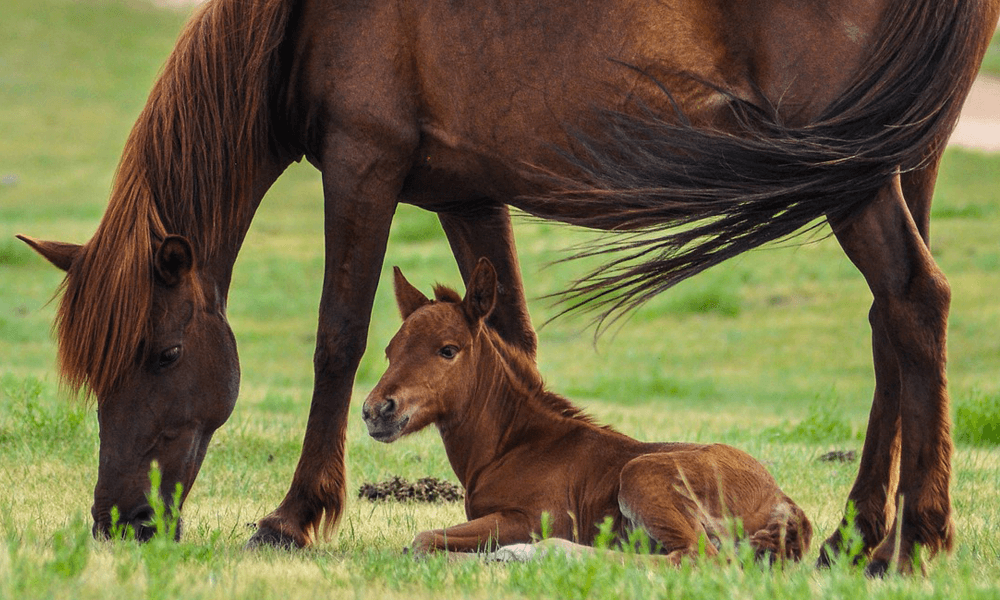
769,352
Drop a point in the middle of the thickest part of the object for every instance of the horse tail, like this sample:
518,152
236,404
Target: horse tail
682,198
786,536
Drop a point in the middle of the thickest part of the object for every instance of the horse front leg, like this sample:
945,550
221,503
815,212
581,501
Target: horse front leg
486,231
912,298
358,215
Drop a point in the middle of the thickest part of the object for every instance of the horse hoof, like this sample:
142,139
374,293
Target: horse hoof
825,561
877,569
265,537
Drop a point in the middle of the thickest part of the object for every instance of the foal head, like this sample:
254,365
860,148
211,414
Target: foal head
433,359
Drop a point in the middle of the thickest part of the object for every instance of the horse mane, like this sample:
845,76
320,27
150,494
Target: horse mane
521,369
187,169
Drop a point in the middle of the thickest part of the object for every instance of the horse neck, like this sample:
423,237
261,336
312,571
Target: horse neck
219,264
503,404
206,148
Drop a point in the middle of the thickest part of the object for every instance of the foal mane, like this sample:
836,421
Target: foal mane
187,169
521,369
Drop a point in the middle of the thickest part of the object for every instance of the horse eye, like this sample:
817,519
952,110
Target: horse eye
448,352
169,356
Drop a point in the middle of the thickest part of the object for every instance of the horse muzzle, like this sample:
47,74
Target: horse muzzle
138,524
386,431
383,420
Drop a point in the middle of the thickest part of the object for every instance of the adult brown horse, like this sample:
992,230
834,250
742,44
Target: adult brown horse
521,451
740,122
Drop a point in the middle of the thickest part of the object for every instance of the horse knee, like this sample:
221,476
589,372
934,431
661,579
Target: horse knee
341,352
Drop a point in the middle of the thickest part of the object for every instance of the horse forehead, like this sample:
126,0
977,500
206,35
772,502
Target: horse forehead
434,321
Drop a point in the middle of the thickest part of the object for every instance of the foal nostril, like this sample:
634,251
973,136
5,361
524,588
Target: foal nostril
387,408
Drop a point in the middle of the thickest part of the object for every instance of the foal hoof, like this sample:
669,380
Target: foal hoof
265,537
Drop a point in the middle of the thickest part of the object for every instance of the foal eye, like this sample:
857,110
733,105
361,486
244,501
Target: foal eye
448,352
169,357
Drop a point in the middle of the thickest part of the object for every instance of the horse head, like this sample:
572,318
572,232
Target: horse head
433,356
177,387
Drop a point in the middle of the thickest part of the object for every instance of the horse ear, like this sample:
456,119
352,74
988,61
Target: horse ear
174,260
60,254
408,298
481,291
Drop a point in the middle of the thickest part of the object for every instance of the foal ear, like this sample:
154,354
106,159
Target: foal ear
174,260
481,291
408,298
59,254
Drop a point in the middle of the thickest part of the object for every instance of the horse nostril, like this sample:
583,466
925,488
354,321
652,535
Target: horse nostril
387,408
366,413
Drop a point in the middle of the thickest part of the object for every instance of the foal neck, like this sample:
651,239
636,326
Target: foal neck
508,406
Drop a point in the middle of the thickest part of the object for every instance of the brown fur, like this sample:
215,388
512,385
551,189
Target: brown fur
187,169
521,451
743,122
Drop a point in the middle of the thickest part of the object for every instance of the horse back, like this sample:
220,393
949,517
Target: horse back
475,90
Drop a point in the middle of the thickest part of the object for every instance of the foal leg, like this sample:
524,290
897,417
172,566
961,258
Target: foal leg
486,231
486,533
911,299
873,493
656,496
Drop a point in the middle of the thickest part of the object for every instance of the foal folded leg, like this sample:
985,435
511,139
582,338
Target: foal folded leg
486,231
911,297
657,496
479,535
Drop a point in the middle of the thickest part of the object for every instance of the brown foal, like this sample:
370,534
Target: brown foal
522,451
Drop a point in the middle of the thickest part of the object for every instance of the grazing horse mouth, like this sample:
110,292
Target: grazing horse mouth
387,432
139,520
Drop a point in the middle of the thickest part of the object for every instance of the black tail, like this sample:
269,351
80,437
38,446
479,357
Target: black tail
690,198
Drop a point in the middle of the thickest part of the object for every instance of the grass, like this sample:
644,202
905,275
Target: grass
769,352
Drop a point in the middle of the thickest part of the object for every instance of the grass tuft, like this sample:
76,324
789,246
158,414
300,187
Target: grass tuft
823,424
977,420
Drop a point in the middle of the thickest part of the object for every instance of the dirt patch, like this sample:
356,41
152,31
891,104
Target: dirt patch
427,489
844,456
979,126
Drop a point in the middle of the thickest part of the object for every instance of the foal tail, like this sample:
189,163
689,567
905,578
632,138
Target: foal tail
786,536
689,198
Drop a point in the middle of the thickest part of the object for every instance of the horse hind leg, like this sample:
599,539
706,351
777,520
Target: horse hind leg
911,301
878,473
486,231
874,490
